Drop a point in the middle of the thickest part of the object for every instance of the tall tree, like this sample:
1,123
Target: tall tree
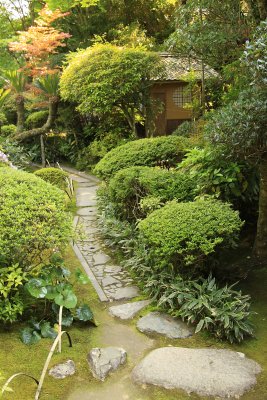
104,79
241,126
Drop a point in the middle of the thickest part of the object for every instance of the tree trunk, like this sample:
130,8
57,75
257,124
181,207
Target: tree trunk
42,151
20,113
53,107
260,246
262,6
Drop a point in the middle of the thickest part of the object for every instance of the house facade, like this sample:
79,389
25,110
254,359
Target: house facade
174,92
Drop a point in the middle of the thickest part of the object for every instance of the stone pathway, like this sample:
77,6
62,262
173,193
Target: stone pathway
110,281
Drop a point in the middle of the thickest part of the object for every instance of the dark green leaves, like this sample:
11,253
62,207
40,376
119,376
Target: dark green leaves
32,334
84,313
36,288
66,299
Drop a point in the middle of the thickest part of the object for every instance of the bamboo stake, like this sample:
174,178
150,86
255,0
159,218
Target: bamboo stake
38,391
4,388
60,327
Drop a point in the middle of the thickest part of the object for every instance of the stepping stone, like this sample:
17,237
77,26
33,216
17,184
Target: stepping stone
207,372
85,202
101,258
156,322
115,269
126,293
105,360
85,211
128,310
62,371
109,280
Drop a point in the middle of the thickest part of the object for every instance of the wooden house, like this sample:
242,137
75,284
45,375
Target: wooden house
174,93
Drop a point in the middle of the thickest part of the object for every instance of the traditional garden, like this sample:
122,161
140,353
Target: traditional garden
133,199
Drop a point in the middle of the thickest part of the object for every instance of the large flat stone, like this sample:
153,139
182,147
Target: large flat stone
128,310
85,212
61,371
207,372
125,293
109,280
101,258
156,322
105,360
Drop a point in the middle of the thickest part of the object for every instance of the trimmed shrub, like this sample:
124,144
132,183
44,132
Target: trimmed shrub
143,152
33,221
130,185
8,130
55,176
36,119
185,234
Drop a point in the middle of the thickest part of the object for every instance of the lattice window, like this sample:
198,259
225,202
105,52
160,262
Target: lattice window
182,96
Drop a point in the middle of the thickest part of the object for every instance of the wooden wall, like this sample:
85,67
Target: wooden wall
171,115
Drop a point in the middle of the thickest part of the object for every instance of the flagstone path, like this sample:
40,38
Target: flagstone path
110,281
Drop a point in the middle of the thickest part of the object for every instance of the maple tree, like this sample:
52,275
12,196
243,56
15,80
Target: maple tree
40,41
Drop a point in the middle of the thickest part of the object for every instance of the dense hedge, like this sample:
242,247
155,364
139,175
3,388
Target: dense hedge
130,187
55,176
143,152
33,220
185,234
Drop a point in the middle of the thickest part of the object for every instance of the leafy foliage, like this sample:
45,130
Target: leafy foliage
215,175
11,304
105,78
8,130
183,235
40,223
36,119
241,126
130,185
54,284
143,152
40,41
222,311
55,176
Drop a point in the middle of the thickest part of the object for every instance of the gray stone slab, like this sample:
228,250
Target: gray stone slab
128,310
126,293
207,372
114,269
101,258
109,280
85,202
61,371
156,322
85,211
102,361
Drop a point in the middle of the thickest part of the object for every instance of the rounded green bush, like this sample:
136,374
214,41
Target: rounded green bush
36,119
185,234
8,130
33,220
55,176
130,185
143,152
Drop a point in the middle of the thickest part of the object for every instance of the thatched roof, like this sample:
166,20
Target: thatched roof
178,68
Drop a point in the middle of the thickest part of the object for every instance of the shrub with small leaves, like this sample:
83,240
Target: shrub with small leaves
55,176
36,119
186,234
33,220
143,152
8,130
130,185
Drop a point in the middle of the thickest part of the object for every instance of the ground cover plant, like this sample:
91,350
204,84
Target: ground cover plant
143,152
